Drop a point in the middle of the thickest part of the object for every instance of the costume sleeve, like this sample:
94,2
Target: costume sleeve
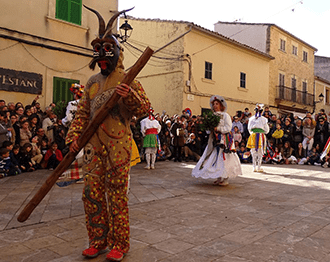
81,119
250,124
69,114
226,126
137,101
266,126
159,128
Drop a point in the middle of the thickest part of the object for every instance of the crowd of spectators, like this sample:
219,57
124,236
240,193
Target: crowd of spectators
31,139
291,140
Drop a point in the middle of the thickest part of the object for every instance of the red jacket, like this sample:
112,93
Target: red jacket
49,153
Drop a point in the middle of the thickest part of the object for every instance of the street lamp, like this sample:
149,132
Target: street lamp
125,31
321,97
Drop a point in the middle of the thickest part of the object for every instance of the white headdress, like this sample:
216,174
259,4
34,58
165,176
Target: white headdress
259,108
220,99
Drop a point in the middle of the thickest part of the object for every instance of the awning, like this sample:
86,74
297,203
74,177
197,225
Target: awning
298,114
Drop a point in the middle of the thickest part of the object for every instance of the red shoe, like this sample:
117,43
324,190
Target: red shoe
92,252
115,255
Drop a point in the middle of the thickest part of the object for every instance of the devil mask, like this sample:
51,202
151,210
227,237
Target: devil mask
106,48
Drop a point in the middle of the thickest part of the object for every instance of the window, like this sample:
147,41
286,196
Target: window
281,83
327,96
294,50
281,80
304,94
304,86
293,83
305,56
61,90
282,45
69,10
243,80
208,70
294,89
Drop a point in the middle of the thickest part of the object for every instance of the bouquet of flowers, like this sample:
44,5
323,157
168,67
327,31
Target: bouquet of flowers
209,122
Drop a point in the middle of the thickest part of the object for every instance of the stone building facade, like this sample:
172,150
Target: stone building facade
197,64
291,73
45,47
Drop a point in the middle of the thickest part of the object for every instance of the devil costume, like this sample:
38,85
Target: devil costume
219,159
258,128
107,155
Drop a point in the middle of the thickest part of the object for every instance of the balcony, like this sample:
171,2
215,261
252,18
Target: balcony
284,93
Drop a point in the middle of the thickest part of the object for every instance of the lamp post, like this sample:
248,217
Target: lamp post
321,97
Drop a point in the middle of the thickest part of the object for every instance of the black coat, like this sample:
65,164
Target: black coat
178,140
297,135
321,134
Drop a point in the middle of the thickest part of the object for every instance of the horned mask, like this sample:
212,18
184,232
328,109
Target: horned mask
106,48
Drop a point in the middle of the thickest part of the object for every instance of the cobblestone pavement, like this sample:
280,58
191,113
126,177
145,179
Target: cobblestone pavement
280,215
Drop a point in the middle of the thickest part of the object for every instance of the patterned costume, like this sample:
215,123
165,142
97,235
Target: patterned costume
107,155
74,173
258,128
150,129
219,159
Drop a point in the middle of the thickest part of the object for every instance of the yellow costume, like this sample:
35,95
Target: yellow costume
107,158
135,158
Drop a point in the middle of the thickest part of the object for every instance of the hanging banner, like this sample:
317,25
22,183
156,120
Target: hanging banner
19,81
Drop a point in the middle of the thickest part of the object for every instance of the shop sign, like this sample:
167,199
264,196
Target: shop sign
20,81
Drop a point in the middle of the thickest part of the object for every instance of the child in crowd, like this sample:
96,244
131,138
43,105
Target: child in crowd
313,158
244,155
237,134
237,146
277,135
36,152
277,158
164,154
300,154
53,156
268,157
288,154
25,158
7,168
25,133
10,146
44,147
16,156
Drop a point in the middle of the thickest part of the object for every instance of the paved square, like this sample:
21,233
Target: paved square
281,215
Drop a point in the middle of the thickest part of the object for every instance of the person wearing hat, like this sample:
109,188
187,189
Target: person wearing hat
150,129
219,160
257,142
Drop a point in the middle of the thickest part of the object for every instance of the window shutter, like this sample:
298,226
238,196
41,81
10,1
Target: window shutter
62,9
75,11
61,89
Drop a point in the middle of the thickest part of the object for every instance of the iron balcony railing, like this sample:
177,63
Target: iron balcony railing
294,95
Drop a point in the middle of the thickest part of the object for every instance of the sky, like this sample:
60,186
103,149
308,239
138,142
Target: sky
305,19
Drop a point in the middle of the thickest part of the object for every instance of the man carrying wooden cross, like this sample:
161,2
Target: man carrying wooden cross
107,155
